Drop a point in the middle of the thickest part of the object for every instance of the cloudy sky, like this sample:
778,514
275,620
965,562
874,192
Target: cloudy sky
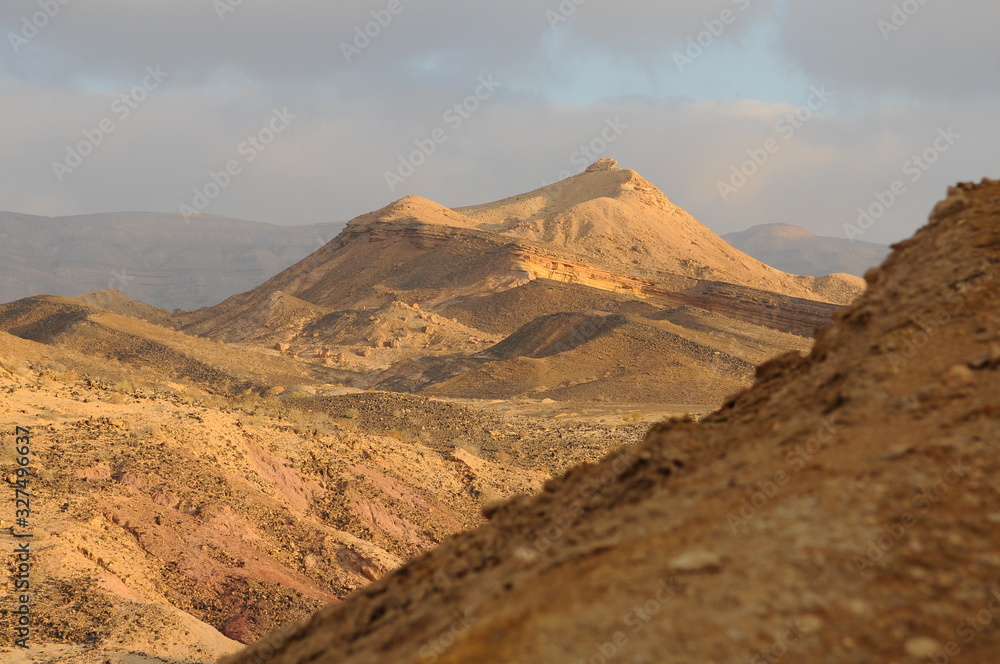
301,111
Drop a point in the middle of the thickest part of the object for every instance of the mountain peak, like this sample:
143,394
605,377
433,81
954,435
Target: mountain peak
606,164
601,181
783,230
617,220
414,209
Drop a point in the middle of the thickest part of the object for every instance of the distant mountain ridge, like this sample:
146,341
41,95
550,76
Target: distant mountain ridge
560,293
799,251
577,275
160,259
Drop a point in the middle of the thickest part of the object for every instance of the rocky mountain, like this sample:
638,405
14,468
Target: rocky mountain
799,251
840,509
600,277
165,260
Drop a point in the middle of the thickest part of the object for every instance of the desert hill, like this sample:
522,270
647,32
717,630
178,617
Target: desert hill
796,250
173,523
149,349
415,296
616,218
165,260
702,359
838,510
607,229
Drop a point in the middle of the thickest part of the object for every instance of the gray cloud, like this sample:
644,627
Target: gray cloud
915,49
353,122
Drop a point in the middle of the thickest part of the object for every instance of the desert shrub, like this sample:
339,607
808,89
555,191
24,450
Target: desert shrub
147,432
16,367
252,421
68,376
123,387
215,401
469,447
489,497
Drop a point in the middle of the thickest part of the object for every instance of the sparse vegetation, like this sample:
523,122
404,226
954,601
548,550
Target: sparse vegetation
16,367
124,387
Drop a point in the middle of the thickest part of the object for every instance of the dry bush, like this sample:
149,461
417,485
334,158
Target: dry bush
469,447
123,387
45,380
68,376
148,432
16,367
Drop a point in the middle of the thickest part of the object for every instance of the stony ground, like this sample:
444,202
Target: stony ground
171,524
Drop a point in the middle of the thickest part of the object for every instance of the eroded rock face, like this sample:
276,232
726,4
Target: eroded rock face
834,511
